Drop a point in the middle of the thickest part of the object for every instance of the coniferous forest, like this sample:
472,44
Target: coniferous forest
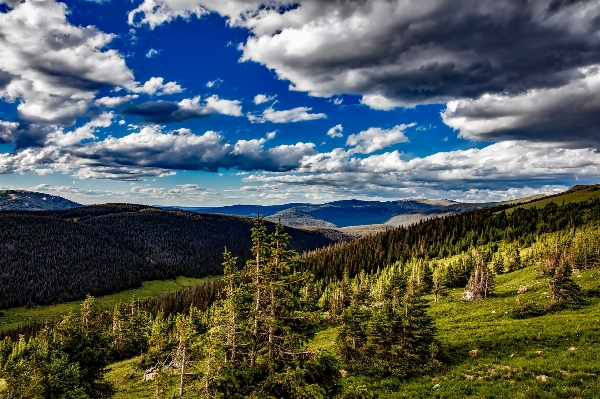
352,320
58,256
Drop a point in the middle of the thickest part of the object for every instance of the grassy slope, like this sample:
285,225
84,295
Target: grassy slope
18,316
576,194
530,358
517,358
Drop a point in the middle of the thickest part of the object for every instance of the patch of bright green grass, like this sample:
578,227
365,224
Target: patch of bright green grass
19,316
577,196
128,379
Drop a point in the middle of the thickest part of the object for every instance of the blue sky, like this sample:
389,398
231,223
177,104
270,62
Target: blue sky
206,102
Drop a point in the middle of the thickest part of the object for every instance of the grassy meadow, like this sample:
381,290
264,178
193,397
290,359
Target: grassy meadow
15,317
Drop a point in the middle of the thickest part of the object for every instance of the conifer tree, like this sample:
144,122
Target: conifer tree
564,291
255,343
439,288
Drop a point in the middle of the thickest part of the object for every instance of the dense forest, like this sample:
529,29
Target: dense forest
55,256
447,236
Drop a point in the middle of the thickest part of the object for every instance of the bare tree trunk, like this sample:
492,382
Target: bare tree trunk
182,376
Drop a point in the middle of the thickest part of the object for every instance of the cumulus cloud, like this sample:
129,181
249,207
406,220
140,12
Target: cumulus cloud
113,102
375,138
402,53
7,130
224,107
157,12
52,68
186,109
335,131
214,83
150,153
569,115
263,98
291,115
492,169
156,86
61,138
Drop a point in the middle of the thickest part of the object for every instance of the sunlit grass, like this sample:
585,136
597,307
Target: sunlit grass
18,316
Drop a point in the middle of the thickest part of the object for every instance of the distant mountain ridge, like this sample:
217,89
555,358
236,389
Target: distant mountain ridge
347,213
21,200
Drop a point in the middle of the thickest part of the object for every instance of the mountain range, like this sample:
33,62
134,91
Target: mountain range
349,213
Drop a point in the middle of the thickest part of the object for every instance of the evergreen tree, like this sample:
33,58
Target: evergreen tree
564,291
67,361
255,344
439,288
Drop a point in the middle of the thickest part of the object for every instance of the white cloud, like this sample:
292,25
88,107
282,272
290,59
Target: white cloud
60,138
156,86
291,115
113,102
225,107
263,98
52,68
6,131
375,138
382,103
335,131
568,114
214,83
152,53
495,168
338,101
157,12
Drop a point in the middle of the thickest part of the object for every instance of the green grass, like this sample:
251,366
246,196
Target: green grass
552,356
569,197
18,316
127,378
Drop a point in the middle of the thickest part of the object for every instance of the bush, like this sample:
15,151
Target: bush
526,310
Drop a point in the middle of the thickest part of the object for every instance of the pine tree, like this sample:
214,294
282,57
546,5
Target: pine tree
255,343
439,288
564,291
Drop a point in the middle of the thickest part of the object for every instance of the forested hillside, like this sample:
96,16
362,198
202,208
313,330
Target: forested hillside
55,256
451,235
20,200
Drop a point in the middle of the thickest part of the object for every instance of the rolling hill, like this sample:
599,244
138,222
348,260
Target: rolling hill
575,194
56,256
19,200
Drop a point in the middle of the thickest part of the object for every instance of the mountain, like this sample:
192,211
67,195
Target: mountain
294,217
349,213
19,200
57,256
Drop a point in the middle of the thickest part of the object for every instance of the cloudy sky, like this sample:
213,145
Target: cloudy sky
215,102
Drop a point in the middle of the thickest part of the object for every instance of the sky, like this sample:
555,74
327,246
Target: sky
219,102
